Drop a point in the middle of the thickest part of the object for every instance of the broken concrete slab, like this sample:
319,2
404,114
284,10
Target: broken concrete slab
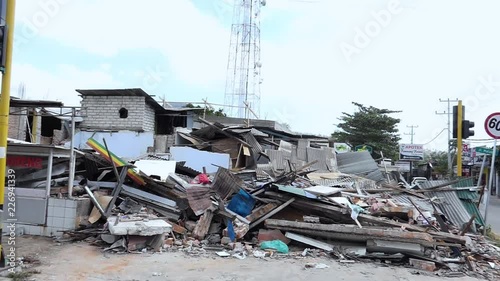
161,168
393,247
142,228
109,238
423,265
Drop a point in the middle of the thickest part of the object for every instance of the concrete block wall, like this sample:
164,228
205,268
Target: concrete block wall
163,143
149,118
62,214
17,123
102,112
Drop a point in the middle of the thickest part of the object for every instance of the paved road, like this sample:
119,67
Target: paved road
494,214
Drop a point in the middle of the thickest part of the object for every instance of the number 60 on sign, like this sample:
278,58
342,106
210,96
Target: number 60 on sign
492,125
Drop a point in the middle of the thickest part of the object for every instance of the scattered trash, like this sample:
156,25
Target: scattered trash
259,254
277,245
317,265
223,254
268,192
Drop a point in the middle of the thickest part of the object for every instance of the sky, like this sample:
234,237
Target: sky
318,56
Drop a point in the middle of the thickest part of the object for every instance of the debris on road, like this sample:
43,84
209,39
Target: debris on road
277,199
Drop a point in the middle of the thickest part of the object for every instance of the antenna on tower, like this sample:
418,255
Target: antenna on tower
21,91
242,94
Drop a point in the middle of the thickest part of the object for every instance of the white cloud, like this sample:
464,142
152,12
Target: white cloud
430,50
59,85
195,44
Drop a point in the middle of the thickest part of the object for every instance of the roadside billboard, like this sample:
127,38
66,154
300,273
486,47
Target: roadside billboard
411,152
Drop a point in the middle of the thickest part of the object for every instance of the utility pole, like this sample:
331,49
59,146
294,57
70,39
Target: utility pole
10,6
459,139
449,112
411,131
411,162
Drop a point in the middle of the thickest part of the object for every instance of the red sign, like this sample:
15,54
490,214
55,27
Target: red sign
24,162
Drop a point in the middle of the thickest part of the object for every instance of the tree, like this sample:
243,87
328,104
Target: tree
371,126
439,160
209,110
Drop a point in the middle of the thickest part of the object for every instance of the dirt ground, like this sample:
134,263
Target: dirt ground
82,261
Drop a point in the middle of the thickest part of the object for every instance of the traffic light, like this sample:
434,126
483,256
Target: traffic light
467,129
3,46
455,120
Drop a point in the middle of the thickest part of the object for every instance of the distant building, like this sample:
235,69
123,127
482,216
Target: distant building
132,122
39,121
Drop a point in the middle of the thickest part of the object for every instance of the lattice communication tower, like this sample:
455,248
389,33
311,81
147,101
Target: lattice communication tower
242,94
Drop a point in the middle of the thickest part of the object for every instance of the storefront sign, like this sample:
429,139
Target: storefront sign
15,161
411,152
341,147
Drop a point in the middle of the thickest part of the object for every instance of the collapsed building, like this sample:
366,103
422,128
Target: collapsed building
149,176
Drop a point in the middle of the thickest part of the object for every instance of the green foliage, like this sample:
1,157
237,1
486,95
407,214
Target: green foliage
371,126
209,110
439,160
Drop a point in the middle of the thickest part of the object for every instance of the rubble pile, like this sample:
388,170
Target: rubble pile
280,200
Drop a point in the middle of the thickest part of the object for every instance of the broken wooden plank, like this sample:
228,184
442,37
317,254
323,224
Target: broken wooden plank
309,241
271,213
203,225
326,210
350,232
260,211
468,225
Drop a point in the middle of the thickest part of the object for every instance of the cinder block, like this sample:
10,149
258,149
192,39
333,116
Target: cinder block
58,223
50,211
70,213
36,230
52,201
59,212
47,231
50,221
27,229
59,202
69,224
70,203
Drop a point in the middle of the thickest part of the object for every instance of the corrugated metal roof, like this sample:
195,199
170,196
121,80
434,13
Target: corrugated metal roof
452,207
468,199
339,179
225,183
423,205
14,102
199,199
264,170
472,208
255,145
279,159
152,157
319,155
360,164
252,131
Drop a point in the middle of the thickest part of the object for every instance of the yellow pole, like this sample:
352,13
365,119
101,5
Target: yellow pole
5,102
459,138
34,127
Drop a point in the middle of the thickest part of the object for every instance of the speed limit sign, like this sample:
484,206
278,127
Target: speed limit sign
492,125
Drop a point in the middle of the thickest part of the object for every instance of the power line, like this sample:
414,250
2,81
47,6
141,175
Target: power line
436,136
449,112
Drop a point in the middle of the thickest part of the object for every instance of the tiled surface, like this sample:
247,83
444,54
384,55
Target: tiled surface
61,215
